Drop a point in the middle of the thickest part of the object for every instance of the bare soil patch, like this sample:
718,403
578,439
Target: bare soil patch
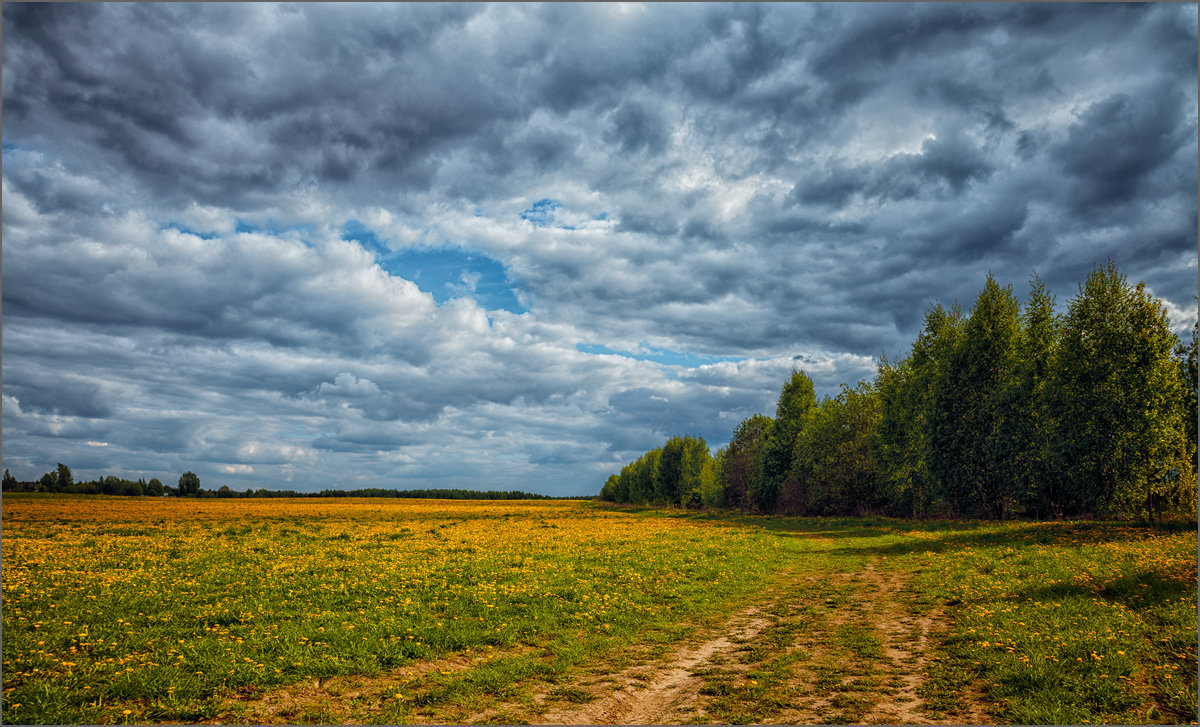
666,692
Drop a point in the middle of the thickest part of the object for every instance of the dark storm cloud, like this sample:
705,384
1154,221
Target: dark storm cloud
60,395
209,118
753,182
1118,142
637,128
942,168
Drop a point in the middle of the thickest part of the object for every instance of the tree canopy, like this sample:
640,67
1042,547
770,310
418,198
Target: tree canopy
1009,409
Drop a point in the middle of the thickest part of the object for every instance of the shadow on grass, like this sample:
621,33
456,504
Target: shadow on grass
941,537
1133,588
926,536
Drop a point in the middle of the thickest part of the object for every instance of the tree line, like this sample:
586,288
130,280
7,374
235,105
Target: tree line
61,480
438,494
1010,409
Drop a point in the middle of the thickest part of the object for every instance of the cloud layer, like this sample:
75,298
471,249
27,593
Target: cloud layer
512,246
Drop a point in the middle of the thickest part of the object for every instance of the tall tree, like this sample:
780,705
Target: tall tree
905,475
624,491
48,482
1120,437
189,484
1025,455
970,427
668,473
906,401
691,471
64,478
741,460
641,477
796,402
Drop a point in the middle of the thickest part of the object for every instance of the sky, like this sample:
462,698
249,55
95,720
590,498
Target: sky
515,246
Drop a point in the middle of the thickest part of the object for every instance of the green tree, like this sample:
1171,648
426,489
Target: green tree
836,469
667,474
110,485
189,484
691,471
902,440
970,426
641,477
64,478
1026,455
712,494
48,482
621,491
154,487
741,461
10,482
1186,355
677,473
796,402
1119,435
906,392
609,491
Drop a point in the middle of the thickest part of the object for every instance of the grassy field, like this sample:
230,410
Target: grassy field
392,611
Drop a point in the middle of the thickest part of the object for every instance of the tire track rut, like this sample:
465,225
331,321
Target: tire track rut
673,688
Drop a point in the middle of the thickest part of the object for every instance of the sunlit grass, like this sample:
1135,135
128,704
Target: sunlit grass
156,606
1067,623
125,610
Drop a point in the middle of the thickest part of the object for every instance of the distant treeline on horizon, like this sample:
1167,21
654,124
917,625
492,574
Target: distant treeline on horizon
62,481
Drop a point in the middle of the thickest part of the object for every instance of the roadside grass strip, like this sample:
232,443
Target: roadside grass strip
1070,623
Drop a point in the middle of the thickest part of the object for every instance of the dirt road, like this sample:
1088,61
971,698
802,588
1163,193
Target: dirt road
845,648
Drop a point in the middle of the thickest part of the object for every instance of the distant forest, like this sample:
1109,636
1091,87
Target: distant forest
1006,411
61,480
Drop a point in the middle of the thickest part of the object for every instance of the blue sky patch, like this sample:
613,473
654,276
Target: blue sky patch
455,272
445,273
659,355
365,236
541,213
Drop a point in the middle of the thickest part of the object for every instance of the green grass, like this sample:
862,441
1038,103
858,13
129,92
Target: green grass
167,608
1069,623
132,610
